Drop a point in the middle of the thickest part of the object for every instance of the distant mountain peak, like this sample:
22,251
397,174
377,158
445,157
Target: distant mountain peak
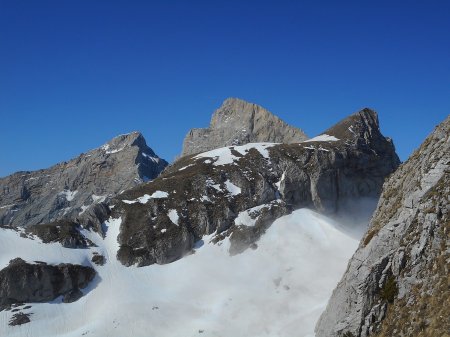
68,189
238,122
128,140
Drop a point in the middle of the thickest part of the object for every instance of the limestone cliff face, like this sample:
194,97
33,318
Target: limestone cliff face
208,193
396,284
238,122
77,189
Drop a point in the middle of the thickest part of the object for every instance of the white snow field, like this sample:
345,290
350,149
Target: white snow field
278,289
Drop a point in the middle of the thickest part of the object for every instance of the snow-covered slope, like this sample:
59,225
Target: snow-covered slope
278,289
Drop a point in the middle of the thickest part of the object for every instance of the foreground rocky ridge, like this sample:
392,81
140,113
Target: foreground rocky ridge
78,189
213,191
396,284
238,122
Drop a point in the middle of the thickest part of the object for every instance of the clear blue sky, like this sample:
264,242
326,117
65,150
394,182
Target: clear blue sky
74,74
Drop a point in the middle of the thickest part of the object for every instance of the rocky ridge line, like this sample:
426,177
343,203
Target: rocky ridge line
208,193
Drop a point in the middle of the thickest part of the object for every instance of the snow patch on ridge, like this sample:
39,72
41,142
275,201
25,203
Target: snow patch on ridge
159,195
224,156
107,150
232,188
83,209
145,198
153,159
278,183
322,138
173,216
248,217
98,198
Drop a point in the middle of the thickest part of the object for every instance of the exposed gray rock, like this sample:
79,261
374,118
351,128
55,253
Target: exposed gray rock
19,319
396,284
206,194
238,122
98,259
78,189
65,232
21,282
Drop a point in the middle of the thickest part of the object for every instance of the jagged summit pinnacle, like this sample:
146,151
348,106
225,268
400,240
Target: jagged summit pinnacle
131,136
361,126
238,122
120,142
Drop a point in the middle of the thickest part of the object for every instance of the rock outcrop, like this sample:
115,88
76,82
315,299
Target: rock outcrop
238,122
66,232
211,193
21,282
19,319
79,188
397,282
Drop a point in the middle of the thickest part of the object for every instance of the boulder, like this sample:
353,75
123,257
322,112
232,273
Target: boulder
22,282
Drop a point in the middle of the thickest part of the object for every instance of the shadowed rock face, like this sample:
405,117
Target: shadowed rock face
21,282
238,122
209,193
396,284
79,188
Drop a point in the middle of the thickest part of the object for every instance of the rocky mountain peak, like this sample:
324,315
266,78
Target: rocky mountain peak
133,140
237,122
128,139
355,125
236,109
362,129
70,189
